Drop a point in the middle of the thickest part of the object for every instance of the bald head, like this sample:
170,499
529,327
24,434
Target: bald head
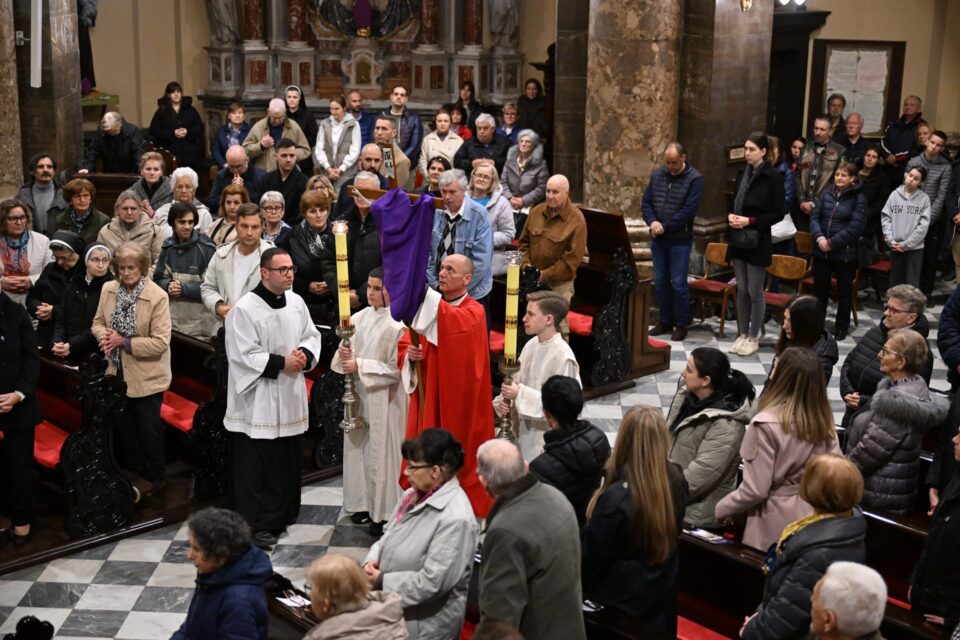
558,191
456,272
371,157
277,107
499,465
237,159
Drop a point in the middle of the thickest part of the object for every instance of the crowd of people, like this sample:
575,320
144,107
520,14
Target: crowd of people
558,515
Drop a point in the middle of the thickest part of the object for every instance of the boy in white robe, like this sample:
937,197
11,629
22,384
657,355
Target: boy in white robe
546,356
270,342
371,456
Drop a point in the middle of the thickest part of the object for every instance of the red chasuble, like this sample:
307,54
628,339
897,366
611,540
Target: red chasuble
457,392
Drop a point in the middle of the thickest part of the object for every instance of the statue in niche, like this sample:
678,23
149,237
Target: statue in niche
366,18
224,21
505,23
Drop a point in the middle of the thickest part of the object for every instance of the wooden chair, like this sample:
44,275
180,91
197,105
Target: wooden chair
879,274
805,248
807,253
713,291
791,270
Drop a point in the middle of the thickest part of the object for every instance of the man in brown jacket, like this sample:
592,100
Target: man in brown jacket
554,240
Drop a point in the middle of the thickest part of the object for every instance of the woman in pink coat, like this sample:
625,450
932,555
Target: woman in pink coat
792,424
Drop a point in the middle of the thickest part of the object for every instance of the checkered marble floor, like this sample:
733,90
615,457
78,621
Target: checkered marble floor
140,588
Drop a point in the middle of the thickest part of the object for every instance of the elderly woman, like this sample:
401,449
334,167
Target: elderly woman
224,229
885,438
72,335
707,421
232,133
806,547
311,248
24,253
274,228
229,601
426,552
337,143
508,128
153,189
81,216
185,182
19,413
44,300
183,260
132,325
525,173
431,184
341,599
485,189
131,224
793,423
441,142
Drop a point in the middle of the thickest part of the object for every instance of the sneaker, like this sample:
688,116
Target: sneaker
735,349
679,333
360,517
750,347
266,540
660,329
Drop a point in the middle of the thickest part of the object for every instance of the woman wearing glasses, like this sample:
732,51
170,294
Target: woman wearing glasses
24,253
72,335
860,373
884,440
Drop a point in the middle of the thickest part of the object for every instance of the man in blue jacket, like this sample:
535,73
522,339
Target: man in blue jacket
670,204
409,125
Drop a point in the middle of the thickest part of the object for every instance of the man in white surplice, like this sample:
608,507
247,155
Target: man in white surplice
271,341
546,355
371,456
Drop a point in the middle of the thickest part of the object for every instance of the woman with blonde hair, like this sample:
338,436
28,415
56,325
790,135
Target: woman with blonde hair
153,189
130,223
629,543
793,423
224,228
341,599
485,189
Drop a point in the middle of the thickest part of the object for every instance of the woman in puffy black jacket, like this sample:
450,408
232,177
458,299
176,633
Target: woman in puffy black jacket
574,451
45,298
836,224
72,337
178,127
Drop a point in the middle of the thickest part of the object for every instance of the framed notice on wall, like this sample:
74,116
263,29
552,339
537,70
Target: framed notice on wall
868,73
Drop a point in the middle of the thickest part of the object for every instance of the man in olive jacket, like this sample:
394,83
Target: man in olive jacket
530,571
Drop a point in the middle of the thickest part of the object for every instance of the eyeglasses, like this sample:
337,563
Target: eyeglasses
17,219
99,260
414,467
273,209
283,270
888,352
887,307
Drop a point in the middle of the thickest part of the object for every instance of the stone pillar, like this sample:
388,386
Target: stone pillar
258,61
430,77
11,171
253,20
50,115
296,58
473,22
470,62
570,97
631,99
725,62
429,24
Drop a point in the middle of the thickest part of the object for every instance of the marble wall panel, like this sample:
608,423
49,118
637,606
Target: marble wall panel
11,173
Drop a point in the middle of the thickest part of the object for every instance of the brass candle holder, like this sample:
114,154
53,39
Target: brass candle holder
351,402
508,368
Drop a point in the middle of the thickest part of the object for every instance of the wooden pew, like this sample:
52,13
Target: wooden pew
109,186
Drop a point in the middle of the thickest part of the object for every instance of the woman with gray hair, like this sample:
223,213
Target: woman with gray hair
131,223
229,601
185,182
886,436
485,190
274,228
525,173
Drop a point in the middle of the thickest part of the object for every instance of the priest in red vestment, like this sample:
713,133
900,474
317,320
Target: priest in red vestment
455,359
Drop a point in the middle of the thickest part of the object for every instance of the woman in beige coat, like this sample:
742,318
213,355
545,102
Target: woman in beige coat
793,423
131,224
132,325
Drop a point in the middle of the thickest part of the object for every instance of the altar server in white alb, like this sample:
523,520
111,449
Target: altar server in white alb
371,456
546,355
271,341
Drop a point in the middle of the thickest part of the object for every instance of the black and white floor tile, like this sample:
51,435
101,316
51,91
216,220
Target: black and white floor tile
140,588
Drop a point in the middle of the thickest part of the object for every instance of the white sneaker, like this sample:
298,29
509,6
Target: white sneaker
737,345
750,347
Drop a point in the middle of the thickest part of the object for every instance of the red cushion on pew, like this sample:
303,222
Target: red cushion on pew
48,439
882,265
177,411
779,299
309,384
653,342
690,630
899,603
496,342
580,323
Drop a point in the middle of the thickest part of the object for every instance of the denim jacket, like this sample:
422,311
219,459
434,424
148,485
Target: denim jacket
474,240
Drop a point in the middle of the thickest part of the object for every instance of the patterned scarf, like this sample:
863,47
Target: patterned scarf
316,240
414,498
79,221
124,318
272,237
16,262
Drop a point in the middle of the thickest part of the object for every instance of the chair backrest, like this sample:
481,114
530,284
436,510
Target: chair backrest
804,244
715,254
787,267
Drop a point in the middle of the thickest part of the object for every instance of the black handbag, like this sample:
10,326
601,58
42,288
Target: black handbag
744,238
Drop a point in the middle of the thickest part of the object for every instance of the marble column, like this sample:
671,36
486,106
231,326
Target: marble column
50,115
259,63
430,68
631,100
429,24
473,22
253,20
570,93
297,16
295,58
11,172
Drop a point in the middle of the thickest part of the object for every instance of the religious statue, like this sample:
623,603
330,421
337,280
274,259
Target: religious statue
224,21
505,23
366,18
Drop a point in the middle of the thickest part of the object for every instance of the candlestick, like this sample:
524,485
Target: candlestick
343,272
513,299
505,423
351,402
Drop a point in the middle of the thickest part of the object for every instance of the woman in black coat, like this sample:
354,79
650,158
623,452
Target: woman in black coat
311,248
72,337
574,451
178,128
19,412
45,298
803,327
298,111
759,203
807,547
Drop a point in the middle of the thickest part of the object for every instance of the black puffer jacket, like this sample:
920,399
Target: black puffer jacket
310,268
79,306
828,352
936,578
189,150
804,558
861,370
884,442
49,289
572,461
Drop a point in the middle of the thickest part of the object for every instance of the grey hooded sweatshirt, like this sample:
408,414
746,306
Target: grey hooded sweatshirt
905,218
